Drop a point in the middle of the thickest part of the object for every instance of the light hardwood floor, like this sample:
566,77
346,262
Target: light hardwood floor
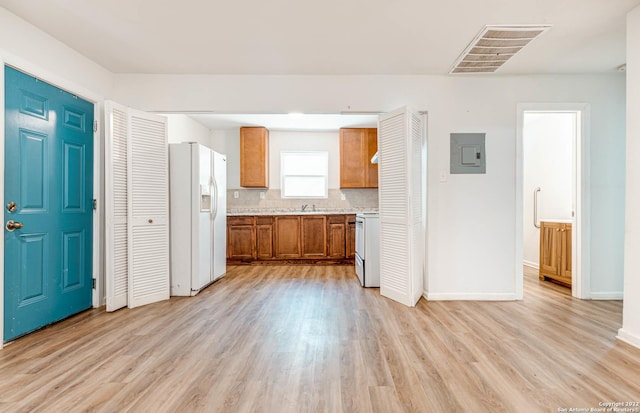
310,339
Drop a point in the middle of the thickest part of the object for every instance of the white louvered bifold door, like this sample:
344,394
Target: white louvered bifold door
116,209
148,209
417,135
400,135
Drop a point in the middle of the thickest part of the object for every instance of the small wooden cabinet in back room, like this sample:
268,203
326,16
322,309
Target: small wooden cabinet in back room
555,252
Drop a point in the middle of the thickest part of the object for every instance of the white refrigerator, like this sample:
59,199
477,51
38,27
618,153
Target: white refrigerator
198,202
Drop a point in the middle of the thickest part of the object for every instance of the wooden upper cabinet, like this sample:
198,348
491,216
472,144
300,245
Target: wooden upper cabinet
254,157
357,146
371,180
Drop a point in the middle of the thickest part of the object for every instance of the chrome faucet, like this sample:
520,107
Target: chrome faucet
304,206
313,207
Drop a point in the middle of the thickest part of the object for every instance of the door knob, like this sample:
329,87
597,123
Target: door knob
12,206
13,225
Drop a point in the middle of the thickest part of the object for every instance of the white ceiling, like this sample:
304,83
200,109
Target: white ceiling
326,37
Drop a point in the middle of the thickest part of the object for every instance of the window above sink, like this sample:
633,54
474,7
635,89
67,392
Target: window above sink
304,174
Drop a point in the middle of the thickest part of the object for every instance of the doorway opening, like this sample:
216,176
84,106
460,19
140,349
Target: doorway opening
552,213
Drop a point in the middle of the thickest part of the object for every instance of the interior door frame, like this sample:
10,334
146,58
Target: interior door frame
68,85
581,233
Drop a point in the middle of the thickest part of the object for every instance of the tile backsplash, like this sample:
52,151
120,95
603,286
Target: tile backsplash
249,201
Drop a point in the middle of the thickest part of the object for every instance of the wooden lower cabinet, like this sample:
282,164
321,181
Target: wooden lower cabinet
350,234
291,238
313,234
264,237
287,236
336,236
241,238
555,252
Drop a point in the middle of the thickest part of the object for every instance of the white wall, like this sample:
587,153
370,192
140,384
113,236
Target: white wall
31,50
227,141
182,128
471,217
630,330
547,148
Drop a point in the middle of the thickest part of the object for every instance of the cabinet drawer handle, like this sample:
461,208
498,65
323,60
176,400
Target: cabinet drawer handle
150,221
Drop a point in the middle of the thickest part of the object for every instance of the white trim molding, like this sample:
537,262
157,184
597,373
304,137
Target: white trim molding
531,264
628,337
607,295
471,296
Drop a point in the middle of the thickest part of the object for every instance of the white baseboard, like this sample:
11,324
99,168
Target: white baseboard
531,264
611,295
628,337
470,296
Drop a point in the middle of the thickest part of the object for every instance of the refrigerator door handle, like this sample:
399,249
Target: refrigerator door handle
214,198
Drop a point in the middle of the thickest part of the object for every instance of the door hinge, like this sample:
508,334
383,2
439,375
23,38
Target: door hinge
95,126
95,204
94,283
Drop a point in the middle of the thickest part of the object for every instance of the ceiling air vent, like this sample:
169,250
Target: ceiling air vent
495,45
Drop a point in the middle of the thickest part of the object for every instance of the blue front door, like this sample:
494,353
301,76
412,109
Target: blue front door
49,198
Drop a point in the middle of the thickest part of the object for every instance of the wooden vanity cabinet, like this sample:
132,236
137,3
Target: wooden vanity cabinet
254,157
555,252
357,147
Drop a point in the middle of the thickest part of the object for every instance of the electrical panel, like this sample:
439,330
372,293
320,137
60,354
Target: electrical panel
468,153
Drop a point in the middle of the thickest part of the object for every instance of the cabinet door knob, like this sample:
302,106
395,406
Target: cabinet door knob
150,221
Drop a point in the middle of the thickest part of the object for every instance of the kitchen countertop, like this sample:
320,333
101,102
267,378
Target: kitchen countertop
327,211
